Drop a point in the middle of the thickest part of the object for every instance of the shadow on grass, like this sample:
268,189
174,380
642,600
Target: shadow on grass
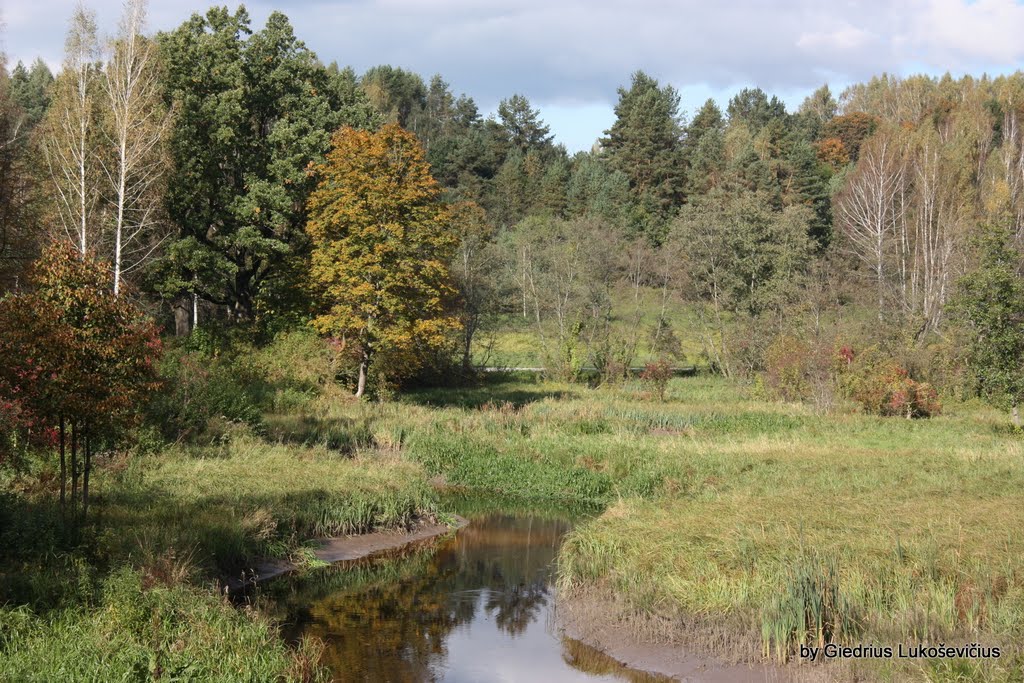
515,389
343,434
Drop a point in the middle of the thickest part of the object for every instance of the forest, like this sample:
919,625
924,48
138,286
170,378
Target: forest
249,300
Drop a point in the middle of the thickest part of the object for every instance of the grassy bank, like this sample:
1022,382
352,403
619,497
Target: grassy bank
132,595
736,525
133,630
786,527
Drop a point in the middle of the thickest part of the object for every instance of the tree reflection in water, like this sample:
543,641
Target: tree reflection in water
453,611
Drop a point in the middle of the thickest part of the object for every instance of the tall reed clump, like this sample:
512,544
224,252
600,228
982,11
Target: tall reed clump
810,610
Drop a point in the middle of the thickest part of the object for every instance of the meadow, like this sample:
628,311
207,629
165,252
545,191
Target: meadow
743,527
721,521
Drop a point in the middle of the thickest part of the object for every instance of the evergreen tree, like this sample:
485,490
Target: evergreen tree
31,91
754,108
708,119
808,185
646,144
523,126
350,100
596,191
817,109
703,148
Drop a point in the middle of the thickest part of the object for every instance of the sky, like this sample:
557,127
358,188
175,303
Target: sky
569,56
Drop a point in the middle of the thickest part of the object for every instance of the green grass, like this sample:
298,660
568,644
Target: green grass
138,632
787,527
250,499
750,524
132,595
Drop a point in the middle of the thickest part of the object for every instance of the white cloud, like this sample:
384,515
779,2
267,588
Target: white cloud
845,38
982,32
578,51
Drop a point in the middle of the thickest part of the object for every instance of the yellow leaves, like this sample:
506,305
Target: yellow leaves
381,241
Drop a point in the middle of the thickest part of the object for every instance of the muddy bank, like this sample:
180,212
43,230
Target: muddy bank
341,548
660,647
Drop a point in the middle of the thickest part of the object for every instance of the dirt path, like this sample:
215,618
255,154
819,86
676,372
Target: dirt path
341,548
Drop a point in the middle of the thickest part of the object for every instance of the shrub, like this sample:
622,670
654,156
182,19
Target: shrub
295,367
201,390
882,387
657,375
795,370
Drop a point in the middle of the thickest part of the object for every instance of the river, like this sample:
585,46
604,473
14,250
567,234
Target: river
477,607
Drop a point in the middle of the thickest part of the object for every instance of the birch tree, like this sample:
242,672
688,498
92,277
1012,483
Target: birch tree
870,208
136,132
68,141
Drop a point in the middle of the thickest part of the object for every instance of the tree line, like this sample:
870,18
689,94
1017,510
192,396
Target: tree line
224,175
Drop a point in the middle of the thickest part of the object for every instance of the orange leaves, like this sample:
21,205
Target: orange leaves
833,152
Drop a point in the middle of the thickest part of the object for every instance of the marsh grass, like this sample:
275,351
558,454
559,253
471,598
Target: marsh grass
152,633
253,499
805,528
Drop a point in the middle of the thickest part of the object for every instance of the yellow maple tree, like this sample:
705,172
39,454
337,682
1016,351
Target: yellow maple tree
382,241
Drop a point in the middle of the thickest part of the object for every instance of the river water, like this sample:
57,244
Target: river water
475,608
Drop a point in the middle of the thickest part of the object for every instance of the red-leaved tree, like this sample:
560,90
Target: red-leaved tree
78,361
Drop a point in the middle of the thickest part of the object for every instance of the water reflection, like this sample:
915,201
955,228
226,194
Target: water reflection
473,608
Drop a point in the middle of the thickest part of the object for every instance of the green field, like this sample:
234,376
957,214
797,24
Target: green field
747,526
729,524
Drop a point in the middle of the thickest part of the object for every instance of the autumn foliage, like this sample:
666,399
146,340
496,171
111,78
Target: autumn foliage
657,374
882,387
833,152
76,357
382,242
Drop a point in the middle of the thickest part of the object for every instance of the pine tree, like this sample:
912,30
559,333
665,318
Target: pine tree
646,144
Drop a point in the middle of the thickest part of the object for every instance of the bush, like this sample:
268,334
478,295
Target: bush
295,367
202,390
657,374
214,380
795,370
882,387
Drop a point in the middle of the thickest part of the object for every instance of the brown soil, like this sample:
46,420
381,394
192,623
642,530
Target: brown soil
343,548
657,646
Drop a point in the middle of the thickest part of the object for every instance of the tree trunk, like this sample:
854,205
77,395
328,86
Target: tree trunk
85,475
181,319
63,468
469,329
361,386
74,469
1015,412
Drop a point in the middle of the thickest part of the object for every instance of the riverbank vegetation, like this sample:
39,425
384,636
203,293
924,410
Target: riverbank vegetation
259,299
